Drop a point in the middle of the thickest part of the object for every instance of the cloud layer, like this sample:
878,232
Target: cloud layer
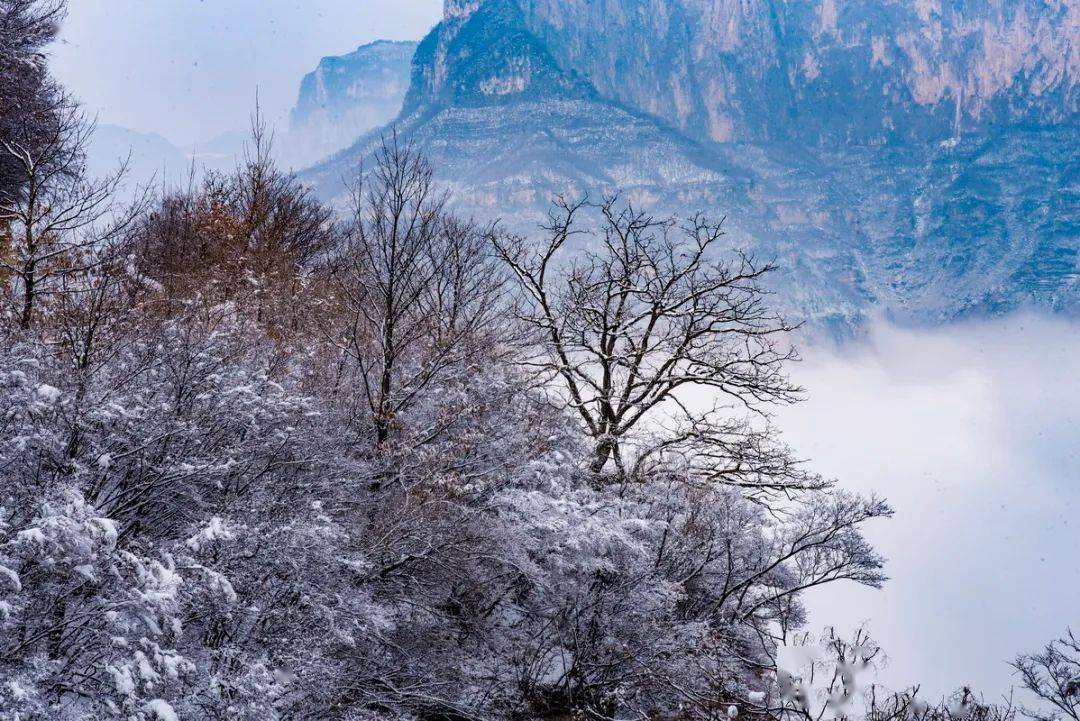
973,433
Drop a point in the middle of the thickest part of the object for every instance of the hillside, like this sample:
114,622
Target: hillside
904,174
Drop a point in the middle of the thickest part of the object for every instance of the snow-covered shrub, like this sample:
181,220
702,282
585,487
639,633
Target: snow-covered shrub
240,480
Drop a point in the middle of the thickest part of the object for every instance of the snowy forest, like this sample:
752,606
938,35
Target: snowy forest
264,459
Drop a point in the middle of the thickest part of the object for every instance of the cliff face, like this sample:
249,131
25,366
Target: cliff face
346,96
483,53
822,70
916,156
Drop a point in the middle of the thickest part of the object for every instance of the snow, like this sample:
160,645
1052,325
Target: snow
125,684
107,528
215,531
146,670
173,663
560,663
756,697
162,710
31,535
222,585
48,393
12,577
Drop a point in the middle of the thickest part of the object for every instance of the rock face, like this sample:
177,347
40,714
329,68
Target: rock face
823,71
919,156
347,96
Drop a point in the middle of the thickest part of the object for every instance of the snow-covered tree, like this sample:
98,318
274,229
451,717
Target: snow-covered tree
29,98
259,464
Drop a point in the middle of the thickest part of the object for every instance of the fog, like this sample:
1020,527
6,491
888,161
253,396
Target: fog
972,433
190,69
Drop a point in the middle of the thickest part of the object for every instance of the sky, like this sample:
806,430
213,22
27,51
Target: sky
189,69
973,434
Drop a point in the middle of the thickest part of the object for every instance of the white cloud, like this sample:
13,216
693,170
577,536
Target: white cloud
972,432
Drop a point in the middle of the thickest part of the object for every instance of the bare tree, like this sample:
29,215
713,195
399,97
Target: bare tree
60,213
280,217
1053,675
963,705
639,323
418,289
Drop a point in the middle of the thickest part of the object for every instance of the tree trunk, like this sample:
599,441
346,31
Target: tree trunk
604,449
29,289
383,412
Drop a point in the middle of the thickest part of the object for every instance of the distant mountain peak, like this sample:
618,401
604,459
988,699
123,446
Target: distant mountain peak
459,9
482,53
347,95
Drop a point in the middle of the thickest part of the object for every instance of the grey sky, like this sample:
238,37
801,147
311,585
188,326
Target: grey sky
189,69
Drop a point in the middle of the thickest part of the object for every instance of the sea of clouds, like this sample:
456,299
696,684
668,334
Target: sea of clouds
972,431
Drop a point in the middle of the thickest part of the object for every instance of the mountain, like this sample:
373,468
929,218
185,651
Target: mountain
153,159
221,152
345,97
919,157
149,156
822,71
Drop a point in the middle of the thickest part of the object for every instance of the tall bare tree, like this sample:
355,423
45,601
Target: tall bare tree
644,320
418,287
59,214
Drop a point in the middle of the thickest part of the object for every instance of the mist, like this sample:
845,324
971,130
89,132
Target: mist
190,70
971,431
